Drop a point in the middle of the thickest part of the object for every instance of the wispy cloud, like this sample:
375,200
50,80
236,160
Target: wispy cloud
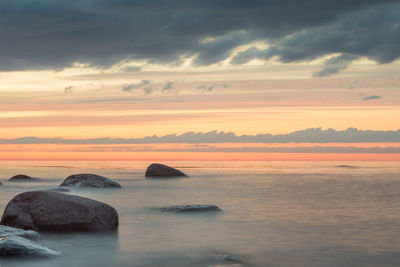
353,84
334,65
371,97
209,88
133,86
168,87
312,135
68,90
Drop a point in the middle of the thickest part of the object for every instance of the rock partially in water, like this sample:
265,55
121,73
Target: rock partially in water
192,208
15,242
59,212
157,170
22,178
233,258
6,230
89,180
346,166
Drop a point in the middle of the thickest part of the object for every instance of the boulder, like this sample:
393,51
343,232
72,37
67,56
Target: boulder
160,170
89,180
59,212
22,178
15,242
192,208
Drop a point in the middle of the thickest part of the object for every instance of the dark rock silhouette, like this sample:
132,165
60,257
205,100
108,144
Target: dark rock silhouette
22,178
59,212
89,180
15,242
192,208
346,166
157,170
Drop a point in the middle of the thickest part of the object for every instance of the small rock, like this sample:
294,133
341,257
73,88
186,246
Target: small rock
89,180
346,166
22,178
233,258
161,170
192,208
58,212
15,242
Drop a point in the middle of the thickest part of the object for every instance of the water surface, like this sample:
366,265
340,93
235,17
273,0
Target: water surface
274,214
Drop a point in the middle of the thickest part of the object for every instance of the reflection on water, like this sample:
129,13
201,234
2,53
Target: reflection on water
275,214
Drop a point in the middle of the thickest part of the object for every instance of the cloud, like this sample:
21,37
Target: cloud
134,86
54,34
353,84
68,90
334,65
371,97
131,68
168,87
311,135
209,88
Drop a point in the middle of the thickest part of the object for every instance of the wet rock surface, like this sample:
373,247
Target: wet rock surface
59,212
89,180
192,208
16,242
157,170
22,178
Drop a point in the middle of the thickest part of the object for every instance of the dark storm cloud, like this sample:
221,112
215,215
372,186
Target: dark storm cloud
53,34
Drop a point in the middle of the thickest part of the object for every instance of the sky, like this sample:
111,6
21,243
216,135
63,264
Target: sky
198,80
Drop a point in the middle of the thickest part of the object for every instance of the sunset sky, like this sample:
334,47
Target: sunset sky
91,79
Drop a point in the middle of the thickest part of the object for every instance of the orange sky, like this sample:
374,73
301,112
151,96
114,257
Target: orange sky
83,102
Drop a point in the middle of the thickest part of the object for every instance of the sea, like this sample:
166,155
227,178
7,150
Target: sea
273,214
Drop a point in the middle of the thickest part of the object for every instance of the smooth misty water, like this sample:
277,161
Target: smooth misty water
275,214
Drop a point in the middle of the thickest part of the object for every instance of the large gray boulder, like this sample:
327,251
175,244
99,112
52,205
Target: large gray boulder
59,212
15,242
158,170
22,178
89,180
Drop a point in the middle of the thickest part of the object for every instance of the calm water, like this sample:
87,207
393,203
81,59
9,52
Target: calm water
275,214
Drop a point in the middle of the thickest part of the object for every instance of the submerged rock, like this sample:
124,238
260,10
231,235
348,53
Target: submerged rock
232,258
15,242
58,212
192,208
59,189
6,230
89,180
161,170
22,178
